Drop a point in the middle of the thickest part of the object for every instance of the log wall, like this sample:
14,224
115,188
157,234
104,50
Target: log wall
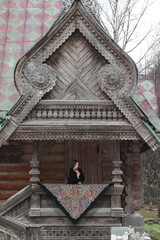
95,159
14,168
55,160
52,162
131,160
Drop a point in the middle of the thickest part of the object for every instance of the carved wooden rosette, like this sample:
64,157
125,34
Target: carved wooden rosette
114,81
41,77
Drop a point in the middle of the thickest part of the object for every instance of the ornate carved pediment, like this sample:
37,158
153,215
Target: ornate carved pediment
77,47
77,60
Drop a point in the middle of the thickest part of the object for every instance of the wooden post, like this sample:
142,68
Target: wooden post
34,172
117,172
116,209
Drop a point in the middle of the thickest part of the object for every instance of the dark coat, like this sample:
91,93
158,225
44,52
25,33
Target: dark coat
72,179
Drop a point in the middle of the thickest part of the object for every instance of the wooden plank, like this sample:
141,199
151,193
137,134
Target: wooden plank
106,164
27,157
107,175
61,75
27,148
108,156
58,147
99,160
65,72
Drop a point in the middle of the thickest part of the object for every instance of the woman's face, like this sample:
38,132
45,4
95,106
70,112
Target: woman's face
76,166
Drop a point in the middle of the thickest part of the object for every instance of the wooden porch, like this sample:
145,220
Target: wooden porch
49,163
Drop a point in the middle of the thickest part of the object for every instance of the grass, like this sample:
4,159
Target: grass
152,228
149,214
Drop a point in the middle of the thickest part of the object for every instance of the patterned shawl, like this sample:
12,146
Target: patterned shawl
75,200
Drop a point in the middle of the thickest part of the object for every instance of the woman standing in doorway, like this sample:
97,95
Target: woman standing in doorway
76,175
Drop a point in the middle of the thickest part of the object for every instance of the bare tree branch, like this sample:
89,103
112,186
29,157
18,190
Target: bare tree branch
141,40
121,21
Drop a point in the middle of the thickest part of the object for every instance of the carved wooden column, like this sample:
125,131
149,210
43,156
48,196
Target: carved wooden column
116,209
34,172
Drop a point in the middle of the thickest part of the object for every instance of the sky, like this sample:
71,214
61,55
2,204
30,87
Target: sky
151,18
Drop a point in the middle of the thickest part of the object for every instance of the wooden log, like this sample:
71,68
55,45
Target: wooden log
51,168
14,167
14,176
7,194
54,157
58,176
14,185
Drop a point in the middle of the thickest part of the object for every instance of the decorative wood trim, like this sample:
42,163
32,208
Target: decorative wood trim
134,118
73,134
76,110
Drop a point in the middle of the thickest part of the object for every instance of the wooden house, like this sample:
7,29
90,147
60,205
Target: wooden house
76,87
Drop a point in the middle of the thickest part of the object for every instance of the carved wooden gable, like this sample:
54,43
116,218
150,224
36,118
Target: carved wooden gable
77,60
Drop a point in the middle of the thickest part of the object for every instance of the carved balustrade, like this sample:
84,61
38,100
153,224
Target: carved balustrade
83,110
